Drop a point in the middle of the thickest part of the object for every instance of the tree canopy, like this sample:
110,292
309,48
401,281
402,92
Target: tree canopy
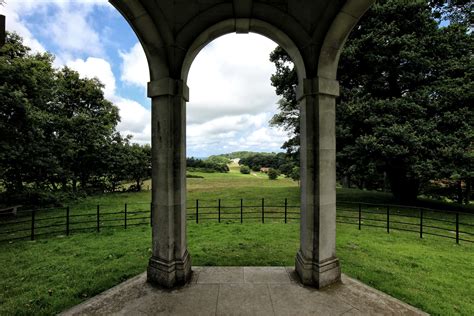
58,131
404,118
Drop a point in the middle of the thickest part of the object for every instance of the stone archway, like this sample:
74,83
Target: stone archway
313,32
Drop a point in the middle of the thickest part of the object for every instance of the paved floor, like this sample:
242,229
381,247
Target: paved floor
243,291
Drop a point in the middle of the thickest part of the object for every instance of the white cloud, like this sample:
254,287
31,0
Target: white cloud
68,26
135,120
71,32
134,69
96,68
231,98
231,76
14,23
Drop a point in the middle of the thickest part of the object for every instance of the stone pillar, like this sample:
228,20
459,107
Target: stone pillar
316,261
170,263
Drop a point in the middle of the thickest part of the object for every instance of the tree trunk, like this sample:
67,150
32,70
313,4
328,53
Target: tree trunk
74,185
460,193
467,198
404,188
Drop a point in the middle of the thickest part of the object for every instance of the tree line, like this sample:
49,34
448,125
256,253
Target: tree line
58,132
404,118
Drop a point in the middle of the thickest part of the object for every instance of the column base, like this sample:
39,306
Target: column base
169,273
318,274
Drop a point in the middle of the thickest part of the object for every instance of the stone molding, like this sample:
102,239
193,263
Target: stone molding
318,274
317,86
168,86
169,273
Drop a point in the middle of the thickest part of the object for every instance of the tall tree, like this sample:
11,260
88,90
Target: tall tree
26,88
56,127
85,123
406,89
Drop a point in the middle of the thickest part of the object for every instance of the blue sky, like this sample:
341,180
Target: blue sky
231,99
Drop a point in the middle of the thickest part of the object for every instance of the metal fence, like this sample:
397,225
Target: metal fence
32,224
243,210
423,221
35,223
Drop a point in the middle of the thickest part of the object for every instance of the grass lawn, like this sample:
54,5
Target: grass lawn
46,276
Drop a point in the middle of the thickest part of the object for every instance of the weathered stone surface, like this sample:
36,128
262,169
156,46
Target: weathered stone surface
271,295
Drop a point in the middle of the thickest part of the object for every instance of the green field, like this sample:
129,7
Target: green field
46,276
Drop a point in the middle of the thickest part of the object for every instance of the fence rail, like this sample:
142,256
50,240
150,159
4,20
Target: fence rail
31,224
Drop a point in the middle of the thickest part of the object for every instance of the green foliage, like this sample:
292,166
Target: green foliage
404,116
278,161
213,165
244,169
58,132
273,174
295,173
219,159
238,154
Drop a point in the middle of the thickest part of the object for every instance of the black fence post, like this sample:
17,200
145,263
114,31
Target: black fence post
360,215
219,209
263,210
98,218
457,228
151,214
241,211
388,219
125,216
67,221
421,223
286,210
197,211
33,213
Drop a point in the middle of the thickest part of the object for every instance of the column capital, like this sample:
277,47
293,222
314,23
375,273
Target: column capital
317,86
168,86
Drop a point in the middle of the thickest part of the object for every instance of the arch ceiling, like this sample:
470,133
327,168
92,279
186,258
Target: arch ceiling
313,31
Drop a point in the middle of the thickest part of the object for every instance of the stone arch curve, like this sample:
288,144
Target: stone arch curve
313,32
255,26
148,34
337,35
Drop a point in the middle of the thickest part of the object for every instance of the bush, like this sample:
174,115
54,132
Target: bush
295,174
244,169
198,165
193,176
273,174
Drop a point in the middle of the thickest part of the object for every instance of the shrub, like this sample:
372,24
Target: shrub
244,169
273,174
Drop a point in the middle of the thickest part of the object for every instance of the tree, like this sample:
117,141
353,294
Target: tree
26,88
273,174
139,164
295,174
86,123
244,169
406,86
57,129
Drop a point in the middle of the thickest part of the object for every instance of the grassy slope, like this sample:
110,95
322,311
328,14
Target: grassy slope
46,276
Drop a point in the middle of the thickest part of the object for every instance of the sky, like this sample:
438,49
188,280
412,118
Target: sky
231,98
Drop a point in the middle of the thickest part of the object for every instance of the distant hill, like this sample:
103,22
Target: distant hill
243,154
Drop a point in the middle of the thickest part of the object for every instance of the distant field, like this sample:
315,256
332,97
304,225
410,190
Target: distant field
46,276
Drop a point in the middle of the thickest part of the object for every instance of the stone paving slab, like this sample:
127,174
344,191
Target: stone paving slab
242,291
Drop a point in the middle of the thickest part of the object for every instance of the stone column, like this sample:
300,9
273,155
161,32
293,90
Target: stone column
316,261
170,263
